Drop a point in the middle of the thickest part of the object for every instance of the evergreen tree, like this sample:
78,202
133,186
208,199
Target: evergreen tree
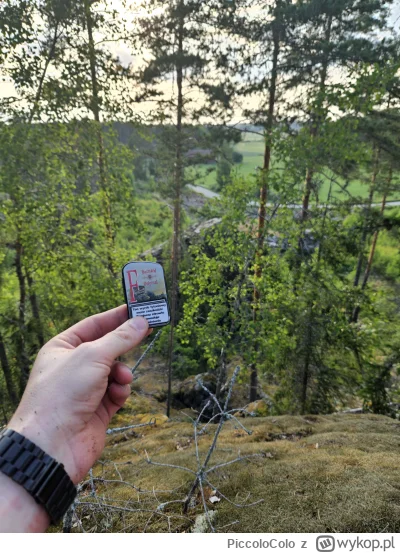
264,34
173,36
334,38
381,130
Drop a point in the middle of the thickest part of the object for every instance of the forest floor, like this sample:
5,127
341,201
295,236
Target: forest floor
325,473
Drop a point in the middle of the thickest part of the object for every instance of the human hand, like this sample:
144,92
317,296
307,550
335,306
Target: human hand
75,388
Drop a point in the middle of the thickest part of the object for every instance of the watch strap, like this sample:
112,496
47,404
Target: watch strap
39,474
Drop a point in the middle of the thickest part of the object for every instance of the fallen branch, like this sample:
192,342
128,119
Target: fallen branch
111,431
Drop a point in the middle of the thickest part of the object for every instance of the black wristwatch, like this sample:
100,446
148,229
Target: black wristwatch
41,475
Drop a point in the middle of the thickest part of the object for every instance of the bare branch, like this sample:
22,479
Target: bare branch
237,460
111,431
146,353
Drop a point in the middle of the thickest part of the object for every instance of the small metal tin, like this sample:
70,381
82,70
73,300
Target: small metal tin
145,292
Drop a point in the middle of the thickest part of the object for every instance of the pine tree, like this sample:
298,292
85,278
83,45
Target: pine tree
174,37
264,32
381,129
335,37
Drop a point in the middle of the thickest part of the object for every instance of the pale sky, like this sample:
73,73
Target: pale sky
395,19
124,54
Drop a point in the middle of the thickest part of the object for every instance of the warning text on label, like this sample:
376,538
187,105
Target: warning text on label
156,312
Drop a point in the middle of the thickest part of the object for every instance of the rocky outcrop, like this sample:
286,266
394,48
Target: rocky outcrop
158,252
189,393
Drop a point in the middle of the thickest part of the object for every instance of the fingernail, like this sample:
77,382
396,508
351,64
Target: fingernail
139,323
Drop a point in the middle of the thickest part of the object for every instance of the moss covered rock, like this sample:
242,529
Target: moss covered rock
190,393
258,408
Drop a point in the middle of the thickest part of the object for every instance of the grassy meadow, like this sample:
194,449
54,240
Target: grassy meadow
253,157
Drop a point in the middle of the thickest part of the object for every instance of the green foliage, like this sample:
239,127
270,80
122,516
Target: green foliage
82,191
51,211
237,157
224,169
302,342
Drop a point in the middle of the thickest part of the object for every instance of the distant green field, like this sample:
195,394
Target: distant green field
253,157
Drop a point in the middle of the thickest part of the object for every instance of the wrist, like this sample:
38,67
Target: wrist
19,512
38,473
49,438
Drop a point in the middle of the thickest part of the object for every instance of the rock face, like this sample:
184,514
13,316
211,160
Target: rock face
189,393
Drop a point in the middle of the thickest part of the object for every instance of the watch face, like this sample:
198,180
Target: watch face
146,292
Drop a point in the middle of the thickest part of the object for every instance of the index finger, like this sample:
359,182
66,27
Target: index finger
94,327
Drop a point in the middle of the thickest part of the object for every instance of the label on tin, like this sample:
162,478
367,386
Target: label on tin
146,292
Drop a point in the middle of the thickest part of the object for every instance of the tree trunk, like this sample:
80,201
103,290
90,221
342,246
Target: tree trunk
177,211
3,409
267,160
306,368
363,241
373,249
221,379
357,309
307,191
253,383
44,73
35,311
317,120
95,108
12,393
305,378
222,373
316,125
22,357
262,214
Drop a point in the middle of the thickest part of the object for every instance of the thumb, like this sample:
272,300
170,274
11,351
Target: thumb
122,339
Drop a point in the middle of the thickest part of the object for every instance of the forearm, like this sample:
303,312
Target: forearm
18,510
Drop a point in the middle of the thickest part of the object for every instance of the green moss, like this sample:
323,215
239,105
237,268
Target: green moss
258,408
336,473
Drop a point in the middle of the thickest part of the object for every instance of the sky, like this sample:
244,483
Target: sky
122,51
395,19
